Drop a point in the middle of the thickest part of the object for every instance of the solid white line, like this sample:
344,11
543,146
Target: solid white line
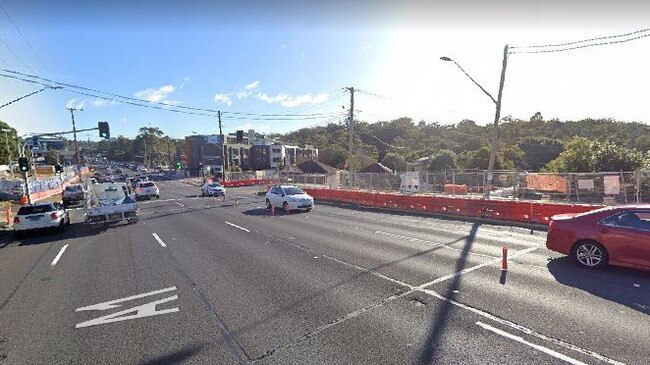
535,346
56,259
236,226
159,240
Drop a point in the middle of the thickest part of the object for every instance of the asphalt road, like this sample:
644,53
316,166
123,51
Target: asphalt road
205,281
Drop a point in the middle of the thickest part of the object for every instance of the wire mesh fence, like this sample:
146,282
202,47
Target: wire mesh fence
606,188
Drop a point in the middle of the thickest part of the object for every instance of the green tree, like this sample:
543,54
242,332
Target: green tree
394,162
333,155
612,157
443,160
578,156
8,134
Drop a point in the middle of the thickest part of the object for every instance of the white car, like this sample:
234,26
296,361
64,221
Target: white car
213,189
146,189
40,216
289,197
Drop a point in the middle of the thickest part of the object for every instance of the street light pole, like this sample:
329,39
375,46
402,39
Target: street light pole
497,116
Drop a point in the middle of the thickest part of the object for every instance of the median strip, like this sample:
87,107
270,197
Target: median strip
236,226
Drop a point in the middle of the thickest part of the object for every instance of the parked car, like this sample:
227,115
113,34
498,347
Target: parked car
213,189
146,190
39,217
618,235
73,194
289,197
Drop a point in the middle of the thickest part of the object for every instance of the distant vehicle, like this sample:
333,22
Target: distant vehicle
73,194
213,189
110,204
135,180
146,190
618,235
289,197
39,217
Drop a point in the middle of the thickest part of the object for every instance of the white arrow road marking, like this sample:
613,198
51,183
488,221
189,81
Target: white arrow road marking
141,311
236,226
113,303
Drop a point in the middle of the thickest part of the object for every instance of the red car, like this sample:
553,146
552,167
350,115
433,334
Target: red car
618,235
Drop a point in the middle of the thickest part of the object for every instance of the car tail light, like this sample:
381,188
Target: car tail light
16,220
551,224
54,216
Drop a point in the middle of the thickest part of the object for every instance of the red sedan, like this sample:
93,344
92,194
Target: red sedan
617,235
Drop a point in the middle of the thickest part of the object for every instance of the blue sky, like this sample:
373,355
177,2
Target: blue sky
290,57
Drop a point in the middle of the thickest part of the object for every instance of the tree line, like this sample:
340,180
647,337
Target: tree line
588,145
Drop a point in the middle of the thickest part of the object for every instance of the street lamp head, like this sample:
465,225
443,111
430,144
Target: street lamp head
445,59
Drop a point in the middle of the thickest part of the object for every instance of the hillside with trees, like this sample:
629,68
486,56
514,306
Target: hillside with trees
588,145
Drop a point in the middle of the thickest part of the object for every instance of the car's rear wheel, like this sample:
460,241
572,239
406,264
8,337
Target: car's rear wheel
590,254
268,204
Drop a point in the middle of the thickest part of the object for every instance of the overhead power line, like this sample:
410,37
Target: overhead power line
592,42
15,55
95,93
24,96
38,57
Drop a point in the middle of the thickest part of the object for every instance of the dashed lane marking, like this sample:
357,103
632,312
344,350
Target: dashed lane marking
58,256
162,243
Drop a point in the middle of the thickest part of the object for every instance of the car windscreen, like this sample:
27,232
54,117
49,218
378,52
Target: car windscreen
214,185
293,191
74,188
36,209
146,184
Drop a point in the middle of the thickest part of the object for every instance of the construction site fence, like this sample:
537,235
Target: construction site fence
602,188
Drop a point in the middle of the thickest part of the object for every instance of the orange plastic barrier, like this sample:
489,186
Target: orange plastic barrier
456,189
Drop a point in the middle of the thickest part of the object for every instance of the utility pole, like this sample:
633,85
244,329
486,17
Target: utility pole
223,149
495,134
351,129
76,144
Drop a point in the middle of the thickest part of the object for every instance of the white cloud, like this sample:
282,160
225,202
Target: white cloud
186,80
75,104
101,103
156,95
223,98
289,101
367,48
253,85
283,47
248,90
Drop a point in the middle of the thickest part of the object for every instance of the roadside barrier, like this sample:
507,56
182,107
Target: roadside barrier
506,210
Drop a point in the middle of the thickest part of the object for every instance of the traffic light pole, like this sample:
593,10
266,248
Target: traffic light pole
76,144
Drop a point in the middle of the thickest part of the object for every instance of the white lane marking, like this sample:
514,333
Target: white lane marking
56,259
523,329
159,240
479,312
470,269
177,203
535,346
236,226
158,200
113,303
141,311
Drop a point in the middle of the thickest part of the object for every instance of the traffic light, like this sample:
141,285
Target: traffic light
179,165
23,164
58,168
104,131
240,136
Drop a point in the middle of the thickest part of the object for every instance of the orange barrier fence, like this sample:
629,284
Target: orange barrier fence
505,210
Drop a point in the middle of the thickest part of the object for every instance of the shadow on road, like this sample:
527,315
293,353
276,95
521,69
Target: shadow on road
75,230
612,283
436,331
176,357
265,212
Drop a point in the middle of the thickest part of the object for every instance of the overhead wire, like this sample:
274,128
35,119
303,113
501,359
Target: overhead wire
38,57
89,92
15,55
580,44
